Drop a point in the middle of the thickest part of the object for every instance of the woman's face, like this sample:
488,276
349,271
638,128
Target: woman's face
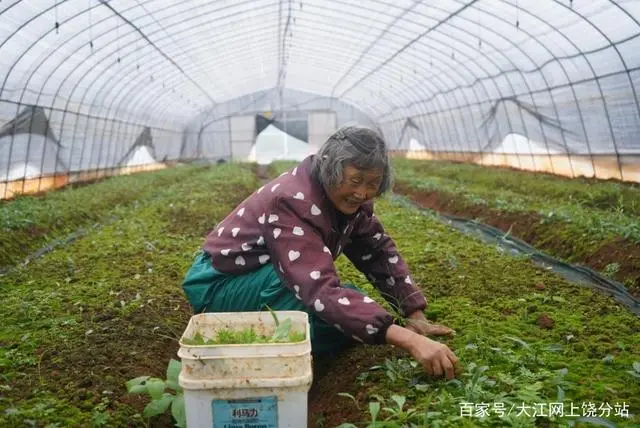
357,187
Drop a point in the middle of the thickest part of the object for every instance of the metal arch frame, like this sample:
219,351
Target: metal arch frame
130,86
561,64
48,32
570,82
152,44
21,95
133,100
596,78
624,63
523,78
85,30
563,85
88,71
65,111
555,59
438,42
373,43
390,80
464,42
384,77
134,86
538,69
524,54
449,131
98,49
455,13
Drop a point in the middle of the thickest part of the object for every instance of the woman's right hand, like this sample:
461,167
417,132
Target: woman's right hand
436,358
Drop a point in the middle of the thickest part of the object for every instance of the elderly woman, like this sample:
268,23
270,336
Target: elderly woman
278,248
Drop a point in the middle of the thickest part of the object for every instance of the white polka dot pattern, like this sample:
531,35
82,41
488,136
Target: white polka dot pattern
291,226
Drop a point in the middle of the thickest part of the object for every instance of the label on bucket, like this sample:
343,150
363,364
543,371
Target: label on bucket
259,412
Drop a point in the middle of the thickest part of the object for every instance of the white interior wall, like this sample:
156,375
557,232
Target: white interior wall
242,136
321,125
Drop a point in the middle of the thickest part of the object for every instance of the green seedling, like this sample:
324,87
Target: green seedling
248,336
163,393
282,334
398,414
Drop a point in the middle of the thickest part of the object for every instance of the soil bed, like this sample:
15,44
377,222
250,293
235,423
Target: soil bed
528,227
335,374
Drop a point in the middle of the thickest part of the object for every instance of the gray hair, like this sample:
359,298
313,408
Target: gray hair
353,145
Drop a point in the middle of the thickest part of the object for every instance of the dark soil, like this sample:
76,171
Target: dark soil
528,227
192,221
545,321
336,374
622,252
94,367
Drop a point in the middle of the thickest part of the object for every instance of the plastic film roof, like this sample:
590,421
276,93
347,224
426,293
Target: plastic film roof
466,71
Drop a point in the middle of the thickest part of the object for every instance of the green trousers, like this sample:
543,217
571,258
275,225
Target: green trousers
211,291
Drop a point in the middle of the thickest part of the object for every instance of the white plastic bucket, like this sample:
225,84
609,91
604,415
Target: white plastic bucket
258,385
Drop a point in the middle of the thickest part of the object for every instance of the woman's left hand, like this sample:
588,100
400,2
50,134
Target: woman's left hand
418,323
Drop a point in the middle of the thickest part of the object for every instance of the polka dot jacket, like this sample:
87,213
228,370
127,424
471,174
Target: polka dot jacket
291,223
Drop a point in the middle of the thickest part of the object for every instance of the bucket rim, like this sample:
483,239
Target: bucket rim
302,317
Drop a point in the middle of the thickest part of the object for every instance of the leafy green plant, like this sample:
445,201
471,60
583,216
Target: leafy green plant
163,393
281,334
400,369
398,413
611,270
349,396
248,335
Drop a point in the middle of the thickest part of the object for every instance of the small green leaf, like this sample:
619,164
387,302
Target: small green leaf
283,330
346,426
138,389
346,394
374,409
560,397
100,419
173,370
273,314
158,407
155,387
178,411
559,299
518,341
608,359
555,347
171,384
378,397
400,400
137,381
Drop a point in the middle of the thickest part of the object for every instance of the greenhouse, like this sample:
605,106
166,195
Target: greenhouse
314,213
